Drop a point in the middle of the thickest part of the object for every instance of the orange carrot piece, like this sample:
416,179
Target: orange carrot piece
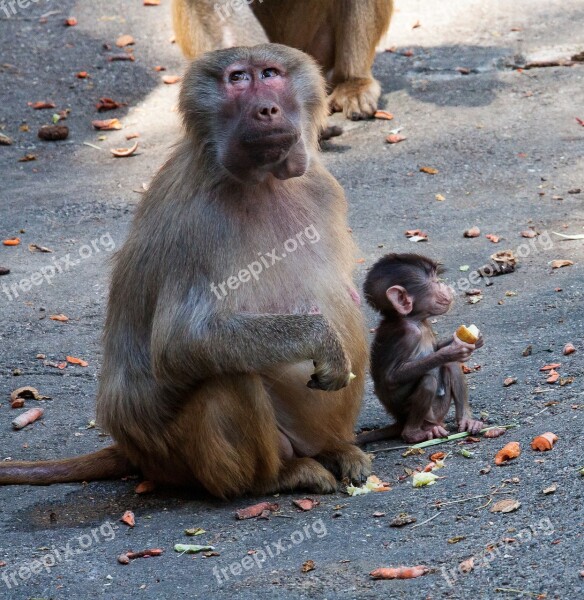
28,417
511,450
12,242
399,572
544,442
77,361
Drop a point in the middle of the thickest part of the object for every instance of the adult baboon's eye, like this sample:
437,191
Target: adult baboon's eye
271,72
238,76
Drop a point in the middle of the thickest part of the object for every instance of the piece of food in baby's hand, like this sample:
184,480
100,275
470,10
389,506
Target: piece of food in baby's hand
469,334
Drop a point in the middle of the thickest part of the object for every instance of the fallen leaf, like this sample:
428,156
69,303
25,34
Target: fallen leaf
42,104
485,470
575,191
383,114
463,70
255,510
423,479
131,136
550,490
70,22
5,140
27,158
550,367
553,376
544,442
437,456
569,348
495,432
378,514
306,504
77,361
125,40
402,519
159,68
416,25
473,232
505,506
145,487
509,381
429,170
493,238
128,518
107,124
400,572
27,392
307,566
558,264
12,241
37,248
439,197
395,138
108,104
122,152
456,539
121,57
529,233
510,451
408,53
151,2
171,79
416,235
61,317
191,548
195,531
82,75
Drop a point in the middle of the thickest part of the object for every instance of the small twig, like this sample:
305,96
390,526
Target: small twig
514,591
497,491
389,449
92,146
541,411
426,521
284,516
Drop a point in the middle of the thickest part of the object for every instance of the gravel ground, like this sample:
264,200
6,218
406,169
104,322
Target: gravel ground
509,152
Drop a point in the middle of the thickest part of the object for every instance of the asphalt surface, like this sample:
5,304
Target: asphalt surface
508,150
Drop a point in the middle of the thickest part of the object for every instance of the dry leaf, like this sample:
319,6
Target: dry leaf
151,2
26,393
131,136
27,158
466,566
529,233
569,349
42,104
440,197
125,40
5,140
402,519
507,453
121,152
509,381
77,361
416,235
82,75
255,510
107,124
505,506
108,104
400,572
70,22
61,317
493,238
550,490
171,79
307,566
37,248
145,487
553,376
128,518
558,264
550,367
429,170
306,504
395,138
383,114
544,442
473,232
122,56
437,456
